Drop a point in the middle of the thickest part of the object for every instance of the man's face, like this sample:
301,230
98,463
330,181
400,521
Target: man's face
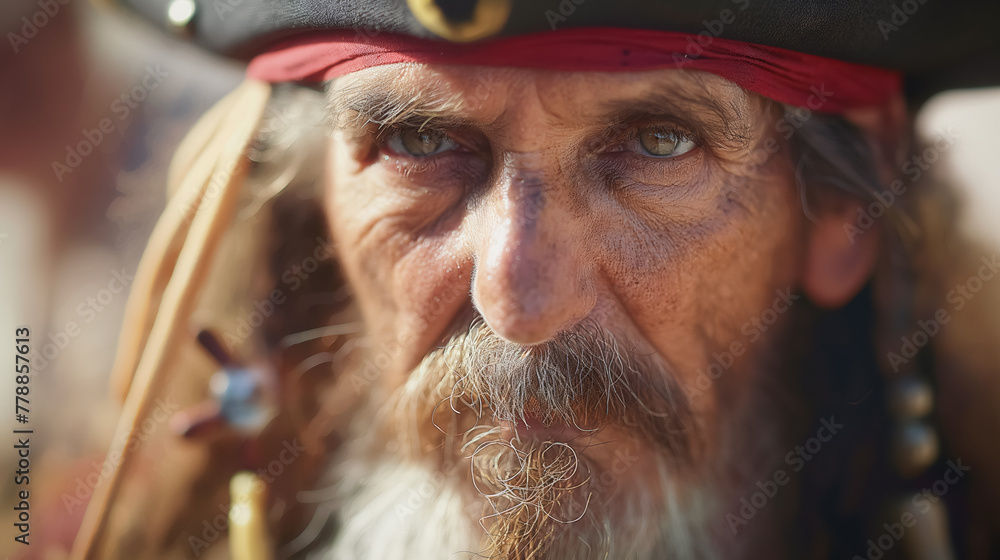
637,207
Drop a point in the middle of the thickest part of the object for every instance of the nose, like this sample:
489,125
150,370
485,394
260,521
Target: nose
533,277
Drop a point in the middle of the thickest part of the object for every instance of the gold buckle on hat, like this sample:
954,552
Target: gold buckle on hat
488,18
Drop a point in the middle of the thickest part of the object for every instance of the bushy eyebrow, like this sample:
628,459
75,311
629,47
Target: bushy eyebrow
715,122
356,106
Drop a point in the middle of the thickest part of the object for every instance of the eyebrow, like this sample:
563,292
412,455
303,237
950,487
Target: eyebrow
714,122
358,105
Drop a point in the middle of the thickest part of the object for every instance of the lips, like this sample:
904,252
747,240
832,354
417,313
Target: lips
585,387
534,428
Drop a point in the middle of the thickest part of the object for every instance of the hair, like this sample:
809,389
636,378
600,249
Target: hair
831,158
846,491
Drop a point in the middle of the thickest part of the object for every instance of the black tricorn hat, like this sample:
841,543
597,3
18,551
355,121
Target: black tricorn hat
937,45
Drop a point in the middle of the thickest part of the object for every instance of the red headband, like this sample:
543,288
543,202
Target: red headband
804,80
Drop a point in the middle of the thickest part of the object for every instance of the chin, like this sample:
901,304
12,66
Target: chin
543,500
582,449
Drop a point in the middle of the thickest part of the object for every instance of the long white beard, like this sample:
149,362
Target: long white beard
397,510
433,475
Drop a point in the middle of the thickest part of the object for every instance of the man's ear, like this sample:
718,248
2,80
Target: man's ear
838,263
840,259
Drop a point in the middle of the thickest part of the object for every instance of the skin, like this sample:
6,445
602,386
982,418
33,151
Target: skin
540,206
537,221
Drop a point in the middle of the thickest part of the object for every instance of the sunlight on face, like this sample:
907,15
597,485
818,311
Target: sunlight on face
526,209
538,199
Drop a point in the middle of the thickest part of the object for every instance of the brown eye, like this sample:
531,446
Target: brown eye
419,143
660,142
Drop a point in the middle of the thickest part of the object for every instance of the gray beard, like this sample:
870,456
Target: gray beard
481,494
401,510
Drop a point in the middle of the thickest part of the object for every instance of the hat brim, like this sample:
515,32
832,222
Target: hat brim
937,45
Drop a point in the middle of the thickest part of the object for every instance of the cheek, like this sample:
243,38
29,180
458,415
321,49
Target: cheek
354,209
430,283
399,252
697,277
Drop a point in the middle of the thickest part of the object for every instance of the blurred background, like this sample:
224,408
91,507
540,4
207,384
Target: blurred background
92,104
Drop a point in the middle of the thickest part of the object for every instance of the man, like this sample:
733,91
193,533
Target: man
597,292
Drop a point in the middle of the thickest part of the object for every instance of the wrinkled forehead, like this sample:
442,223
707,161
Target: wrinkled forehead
482,93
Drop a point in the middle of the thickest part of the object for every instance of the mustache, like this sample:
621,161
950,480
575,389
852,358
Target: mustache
540,494
582,378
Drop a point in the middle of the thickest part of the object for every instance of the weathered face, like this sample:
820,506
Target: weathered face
540,199
655,209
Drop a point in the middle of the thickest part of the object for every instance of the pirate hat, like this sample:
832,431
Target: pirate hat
936,45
